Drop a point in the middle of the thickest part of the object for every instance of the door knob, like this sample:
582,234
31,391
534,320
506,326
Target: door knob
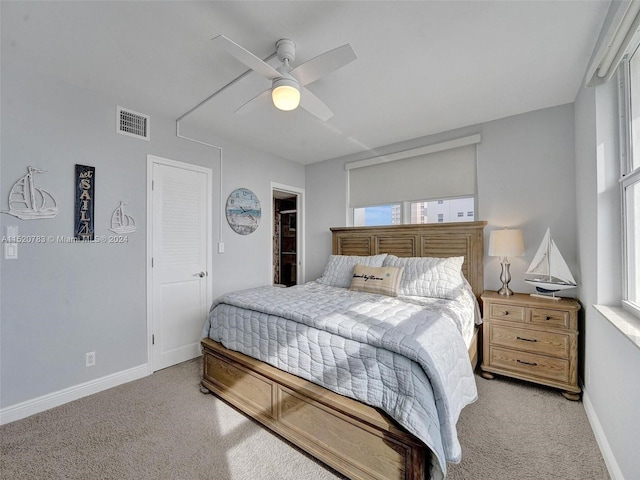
201,274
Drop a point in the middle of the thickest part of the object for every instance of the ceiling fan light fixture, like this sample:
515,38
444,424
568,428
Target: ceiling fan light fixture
285,94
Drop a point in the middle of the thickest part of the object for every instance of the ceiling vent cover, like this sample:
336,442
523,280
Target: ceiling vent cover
132,123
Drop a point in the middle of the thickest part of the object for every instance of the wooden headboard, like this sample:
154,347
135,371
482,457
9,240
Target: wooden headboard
424,240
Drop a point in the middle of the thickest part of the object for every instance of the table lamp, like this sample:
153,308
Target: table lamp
506,243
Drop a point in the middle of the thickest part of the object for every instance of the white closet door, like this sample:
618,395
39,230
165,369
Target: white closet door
180,279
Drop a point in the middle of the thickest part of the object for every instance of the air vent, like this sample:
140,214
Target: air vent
132,123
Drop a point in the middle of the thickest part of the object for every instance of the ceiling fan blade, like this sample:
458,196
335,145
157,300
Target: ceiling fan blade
323,64
246,57
314,105
260,99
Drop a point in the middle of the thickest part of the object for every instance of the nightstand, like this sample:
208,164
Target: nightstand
531,338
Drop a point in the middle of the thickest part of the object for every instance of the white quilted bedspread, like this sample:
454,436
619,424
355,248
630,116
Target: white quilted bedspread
388,352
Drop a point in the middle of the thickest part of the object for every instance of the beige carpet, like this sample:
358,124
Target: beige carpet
521,431
162,427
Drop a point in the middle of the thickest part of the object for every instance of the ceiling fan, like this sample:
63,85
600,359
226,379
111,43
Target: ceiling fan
287,83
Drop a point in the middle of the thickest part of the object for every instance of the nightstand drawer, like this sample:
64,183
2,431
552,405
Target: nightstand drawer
513,313
534,341
551,318
538,366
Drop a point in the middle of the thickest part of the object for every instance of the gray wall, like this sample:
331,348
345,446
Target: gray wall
526,179
612,390
59,300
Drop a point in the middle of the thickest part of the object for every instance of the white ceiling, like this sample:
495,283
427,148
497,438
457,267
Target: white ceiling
423,67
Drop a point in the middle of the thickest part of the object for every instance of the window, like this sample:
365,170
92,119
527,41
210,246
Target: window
378,215
631,181
436,211
632,241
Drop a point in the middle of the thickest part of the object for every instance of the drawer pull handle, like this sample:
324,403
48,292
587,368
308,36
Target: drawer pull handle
547,318
527,339
533,364
506,312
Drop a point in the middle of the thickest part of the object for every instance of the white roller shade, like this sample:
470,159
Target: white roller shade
443,174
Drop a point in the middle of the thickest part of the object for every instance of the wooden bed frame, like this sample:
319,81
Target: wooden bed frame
355,439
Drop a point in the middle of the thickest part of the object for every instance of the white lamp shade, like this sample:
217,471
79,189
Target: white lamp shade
506,243
285,94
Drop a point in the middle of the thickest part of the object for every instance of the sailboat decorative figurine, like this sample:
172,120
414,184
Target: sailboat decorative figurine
121,222
548,271
28,202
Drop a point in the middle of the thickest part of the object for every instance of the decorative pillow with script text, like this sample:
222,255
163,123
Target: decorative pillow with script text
382,280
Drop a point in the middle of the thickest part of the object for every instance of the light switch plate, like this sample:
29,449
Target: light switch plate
11,251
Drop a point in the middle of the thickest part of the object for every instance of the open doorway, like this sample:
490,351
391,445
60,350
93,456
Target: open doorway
286,238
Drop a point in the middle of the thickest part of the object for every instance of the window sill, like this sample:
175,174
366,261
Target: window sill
628,324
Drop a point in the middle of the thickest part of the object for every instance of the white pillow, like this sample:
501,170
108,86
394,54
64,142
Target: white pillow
429,276
339,269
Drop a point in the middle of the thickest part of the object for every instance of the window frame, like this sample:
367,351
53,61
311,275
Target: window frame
629,176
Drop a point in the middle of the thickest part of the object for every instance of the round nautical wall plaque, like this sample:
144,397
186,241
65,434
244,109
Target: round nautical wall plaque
243,211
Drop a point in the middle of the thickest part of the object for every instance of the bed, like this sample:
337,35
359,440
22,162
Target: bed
357,433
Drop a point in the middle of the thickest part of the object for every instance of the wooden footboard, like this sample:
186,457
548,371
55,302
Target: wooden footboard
355,439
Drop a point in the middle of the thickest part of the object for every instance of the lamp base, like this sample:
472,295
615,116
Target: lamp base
505,278
505,291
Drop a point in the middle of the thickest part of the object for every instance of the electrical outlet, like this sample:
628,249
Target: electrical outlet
91,359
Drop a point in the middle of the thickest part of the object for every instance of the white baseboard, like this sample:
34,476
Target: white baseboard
605,449
40,404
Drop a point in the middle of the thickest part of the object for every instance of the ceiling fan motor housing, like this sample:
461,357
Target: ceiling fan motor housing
286,50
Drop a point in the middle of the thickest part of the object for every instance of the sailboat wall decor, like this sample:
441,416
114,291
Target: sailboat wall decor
548,271
121,222
28,202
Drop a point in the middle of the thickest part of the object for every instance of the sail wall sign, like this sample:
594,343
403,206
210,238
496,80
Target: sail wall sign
85,180
28,202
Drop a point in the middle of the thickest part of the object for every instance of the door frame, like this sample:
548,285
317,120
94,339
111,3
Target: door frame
151,159
299,194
